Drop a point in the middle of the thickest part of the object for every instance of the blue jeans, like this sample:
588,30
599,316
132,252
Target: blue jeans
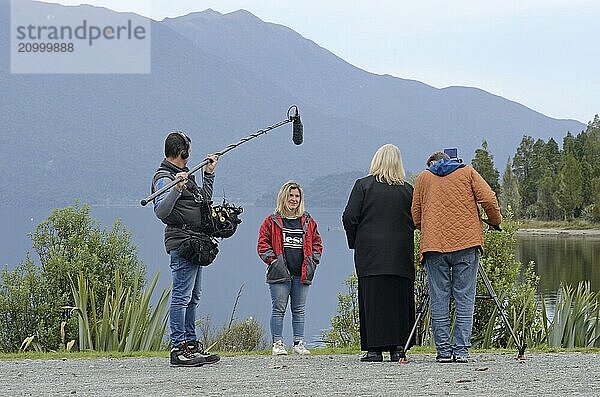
185,297
280,292
452,273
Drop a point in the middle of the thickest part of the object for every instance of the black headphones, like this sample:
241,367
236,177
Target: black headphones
185,153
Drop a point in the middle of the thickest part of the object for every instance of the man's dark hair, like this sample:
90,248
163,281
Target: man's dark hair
435,157
175,144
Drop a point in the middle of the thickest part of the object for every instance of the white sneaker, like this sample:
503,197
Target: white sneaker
279,349
299,348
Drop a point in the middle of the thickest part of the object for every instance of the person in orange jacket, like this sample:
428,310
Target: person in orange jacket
445,208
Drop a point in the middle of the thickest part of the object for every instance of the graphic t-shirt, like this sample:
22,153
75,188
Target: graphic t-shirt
293,239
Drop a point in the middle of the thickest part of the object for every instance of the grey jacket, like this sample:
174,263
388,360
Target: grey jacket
180,211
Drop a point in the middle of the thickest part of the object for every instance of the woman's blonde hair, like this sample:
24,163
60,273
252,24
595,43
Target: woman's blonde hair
283,196
387,167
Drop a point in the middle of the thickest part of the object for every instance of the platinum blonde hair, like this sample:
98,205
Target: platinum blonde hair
284,195
387,167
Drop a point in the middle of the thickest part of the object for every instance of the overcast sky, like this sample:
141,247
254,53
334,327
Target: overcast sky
544,54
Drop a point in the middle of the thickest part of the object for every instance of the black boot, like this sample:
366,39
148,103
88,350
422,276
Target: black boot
395,355
181,356
372,357
197,348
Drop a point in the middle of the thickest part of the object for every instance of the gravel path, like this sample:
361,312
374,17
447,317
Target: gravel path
327,375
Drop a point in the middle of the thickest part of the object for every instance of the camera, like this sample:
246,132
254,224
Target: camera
453,154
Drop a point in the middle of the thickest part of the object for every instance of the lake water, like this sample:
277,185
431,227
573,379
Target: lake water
557,260
561,260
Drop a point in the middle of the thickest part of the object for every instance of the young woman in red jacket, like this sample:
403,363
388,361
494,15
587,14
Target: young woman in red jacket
290,244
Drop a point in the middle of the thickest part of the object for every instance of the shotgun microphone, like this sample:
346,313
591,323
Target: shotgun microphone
297,127
298,130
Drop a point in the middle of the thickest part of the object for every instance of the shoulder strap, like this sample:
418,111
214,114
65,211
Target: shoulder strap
306,217
161,173
276,218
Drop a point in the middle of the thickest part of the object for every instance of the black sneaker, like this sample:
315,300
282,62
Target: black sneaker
181,356
197,348
395,355
442,358
462,359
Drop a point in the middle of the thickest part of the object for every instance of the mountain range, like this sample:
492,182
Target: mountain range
221,77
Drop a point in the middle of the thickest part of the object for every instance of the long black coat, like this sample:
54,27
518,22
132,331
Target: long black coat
380,229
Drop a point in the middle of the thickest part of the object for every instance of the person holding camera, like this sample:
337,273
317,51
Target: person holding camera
290,244
445,208
180,208
379,227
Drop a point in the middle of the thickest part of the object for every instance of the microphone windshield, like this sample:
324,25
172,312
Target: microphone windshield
298,130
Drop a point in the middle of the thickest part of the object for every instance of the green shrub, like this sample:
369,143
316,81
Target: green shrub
515,286
423,335
26,308
70,241
241,336
345,324
236,336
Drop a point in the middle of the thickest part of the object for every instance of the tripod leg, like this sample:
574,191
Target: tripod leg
422,309
488,286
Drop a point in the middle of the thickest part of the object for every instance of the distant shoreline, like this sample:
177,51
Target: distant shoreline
591,233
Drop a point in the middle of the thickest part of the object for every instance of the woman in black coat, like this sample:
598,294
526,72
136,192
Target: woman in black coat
379,227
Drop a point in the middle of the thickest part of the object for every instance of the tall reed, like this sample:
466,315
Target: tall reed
576,321
127,321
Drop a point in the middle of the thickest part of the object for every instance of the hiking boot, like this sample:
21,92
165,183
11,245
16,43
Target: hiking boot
299,348
372,357
197,348
181,356
279,349
444,358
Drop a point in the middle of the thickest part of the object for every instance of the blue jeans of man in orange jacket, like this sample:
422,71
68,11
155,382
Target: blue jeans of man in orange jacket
452,274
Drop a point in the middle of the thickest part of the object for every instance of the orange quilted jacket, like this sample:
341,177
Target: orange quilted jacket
445,209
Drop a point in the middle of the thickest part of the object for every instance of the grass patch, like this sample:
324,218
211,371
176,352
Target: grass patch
85,355
546,349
